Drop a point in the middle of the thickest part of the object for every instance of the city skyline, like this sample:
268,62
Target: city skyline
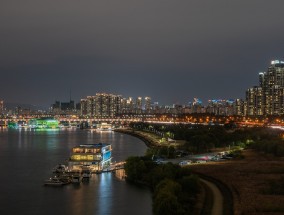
170,51
250,105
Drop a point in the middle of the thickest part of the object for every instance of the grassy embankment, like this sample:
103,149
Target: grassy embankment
252,181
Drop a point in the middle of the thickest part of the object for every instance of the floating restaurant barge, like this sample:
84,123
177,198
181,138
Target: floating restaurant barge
44,122
96,157
104,127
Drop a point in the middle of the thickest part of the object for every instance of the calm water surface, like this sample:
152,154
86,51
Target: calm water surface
27,158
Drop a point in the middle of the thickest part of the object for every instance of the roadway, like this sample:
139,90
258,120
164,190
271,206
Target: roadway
218,199
216,207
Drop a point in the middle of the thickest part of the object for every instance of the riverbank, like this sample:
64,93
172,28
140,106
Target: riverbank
151,140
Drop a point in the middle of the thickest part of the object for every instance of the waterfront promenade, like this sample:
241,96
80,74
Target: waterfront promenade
150,139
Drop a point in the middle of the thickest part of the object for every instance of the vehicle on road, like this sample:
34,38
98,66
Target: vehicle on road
185,162
200,161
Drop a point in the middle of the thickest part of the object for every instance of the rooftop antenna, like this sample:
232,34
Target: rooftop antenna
70,95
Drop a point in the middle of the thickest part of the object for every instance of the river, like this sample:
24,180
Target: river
28,156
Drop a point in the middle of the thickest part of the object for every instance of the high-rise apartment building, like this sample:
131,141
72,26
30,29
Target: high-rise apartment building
84,107
101,105
107,105
223,107
90,106
254,98
127,106
138,105
1,106
130,105
268,97
148,104
239,107
123,109
156,108
117,104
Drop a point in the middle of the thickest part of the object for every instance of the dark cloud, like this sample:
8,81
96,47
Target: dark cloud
169,50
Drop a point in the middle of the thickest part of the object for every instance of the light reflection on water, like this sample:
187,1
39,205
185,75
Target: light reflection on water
105,189
28,156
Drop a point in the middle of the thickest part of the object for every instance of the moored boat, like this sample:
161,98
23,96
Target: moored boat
66,179
104,127
60,168
86,174
76,179
54,182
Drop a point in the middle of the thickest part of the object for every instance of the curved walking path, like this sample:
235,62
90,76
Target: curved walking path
217,206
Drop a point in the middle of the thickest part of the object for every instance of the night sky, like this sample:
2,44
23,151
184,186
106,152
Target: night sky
170,50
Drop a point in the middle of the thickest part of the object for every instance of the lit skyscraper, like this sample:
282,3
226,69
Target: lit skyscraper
84,106
272,83
138,106
107,105
123,106
254,101
148,104
239,107
90,106
220,107
268,97
130,105
1,106
101,105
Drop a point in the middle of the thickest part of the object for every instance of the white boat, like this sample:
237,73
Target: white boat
53,182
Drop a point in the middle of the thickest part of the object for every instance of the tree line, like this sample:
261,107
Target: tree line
203,138
174,188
